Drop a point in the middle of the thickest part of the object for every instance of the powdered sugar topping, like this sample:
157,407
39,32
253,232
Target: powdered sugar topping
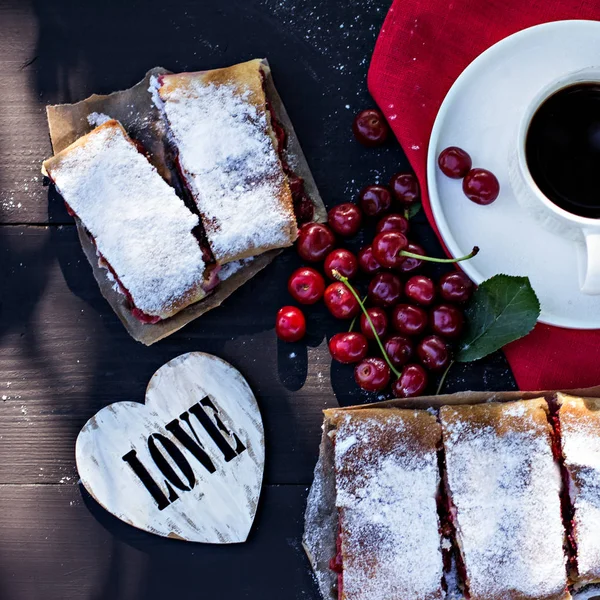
387,499
231,167
581,451
139,224
504,486
96,119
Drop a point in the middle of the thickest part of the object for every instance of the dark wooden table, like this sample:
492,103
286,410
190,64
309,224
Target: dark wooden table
63,353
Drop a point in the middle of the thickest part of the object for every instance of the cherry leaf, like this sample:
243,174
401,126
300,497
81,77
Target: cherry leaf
503,309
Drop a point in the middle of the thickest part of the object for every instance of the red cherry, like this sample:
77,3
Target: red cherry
446,320
393,222
379,320
342,261
455,287
290,324
367,262
387,247
340,301
420,289
384,290
306,285
454,162
348,348
345,219
370,127
399,349
410,264
409,319
372,374
433,353
405,187
481,186
375,200
412,382
315,242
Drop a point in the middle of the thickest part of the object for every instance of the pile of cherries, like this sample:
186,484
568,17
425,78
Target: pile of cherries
409,320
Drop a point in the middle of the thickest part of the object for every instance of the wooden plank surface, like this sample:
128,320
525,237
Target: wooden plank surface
64,354
83,553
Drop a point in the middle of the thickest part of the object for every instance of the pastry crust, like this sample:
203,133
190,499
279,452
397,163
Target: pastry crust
143,234
387,481
220,127
504,491
580,444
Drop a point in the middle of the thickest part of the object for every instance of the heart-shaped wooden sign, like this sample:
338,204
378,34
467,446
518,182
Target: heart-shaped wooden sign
187,464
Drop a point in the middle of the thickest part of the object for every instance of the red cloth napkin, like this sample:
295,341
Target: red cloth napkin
423,47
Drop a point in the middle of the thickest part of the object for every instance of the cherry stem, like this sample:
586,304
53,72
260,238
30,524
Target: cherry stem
345,281
443,379
471,254
353,323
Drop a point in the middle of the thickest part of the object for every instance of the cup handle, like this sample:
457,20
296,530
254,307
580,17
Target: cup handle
591,279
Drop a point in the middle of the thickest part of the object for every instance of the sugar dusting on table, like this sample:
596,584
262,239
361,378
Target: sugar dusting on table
391,540
504,485
230,164
139,224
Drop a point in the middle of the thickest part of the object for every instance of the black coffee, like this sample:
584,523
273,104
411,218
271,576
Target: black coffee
562,149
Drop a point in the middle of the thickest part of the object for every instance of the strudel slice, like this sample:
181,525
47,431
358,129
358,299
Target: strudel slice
504,489
387,483
142,230
580,441
221,129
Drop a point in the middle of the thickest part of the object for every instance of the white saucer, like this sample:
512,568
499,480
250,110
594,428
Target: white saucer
480,114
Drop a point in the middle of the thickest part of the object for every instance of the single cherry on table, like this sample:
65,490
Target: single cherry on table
387,247
420,289
370,127
380,323
446,321
340,301
372,374
405,187
342,261
306,285
412,382
315,242
392,222
433,353
375,200
409,319
367,262
290,324
399,349
454,162
349,347
411,264
455,287
384,290
345,219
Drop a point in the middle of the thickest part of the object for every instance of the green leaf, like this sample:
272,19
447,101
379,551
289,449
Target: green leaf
503,309
412,210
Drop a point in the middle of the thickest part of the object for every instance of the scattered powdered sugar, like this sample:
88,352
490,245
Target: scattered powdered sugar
96,119
230,166
153,89
139,224
504,486
386,494
580,436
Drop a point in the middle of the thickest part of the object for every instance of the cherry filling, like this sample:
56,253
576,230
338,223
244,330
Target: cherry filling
568,513
303,207
336,563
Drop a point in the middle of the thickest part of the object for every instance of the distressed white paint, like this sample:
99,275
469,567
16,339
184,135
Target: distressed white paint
220,508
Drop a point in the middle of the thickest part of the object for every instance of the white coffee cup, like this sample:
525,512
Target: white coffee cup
582,230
